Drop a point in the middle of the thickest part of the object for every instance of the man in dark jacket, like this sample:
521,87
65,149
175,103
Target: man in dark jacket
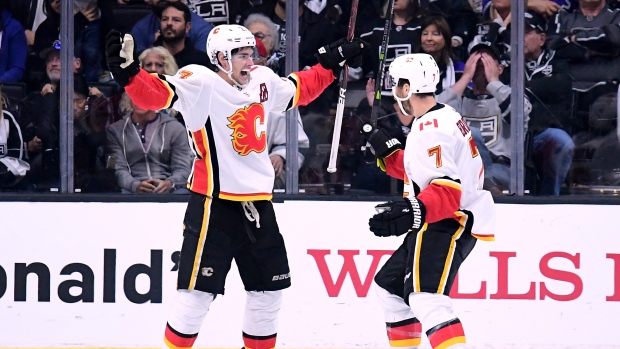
175,25
315,31
549,88
145,30
589,38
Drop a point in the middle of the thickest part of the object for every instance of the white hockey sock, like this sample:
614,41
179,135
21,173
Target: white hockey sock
190,309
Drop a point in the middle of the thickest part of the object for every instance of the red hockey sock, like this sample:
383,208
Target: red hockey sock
446,335
406,333
259,342
178,340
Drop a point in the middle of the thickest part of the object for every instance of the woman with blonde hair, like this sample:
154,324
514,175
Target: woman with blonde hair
158,60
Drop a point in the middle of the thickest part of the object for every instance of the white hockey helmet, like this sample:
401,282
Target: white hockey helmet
419,68
227,37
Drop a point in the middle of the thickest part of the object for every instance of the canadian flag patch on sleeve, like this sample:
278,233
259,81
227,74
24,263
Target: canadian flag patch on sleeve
427,124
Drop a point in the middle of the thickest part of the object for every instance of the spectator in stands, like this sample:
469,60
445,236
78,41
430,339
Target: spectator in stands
487,110
495,28
30,13
462,20
589,38
175,25
13,47
266,31
315,31
51,56
276,143
89,37
40,107
549,87
13,166
44,153
435,41
90,118
48,30
150,151
147,30
276,131
158,60
404,38
545,8
87,33
498,18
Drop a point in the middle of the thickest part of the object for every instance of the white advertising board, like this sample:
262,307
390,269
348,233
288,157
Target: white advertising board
103,275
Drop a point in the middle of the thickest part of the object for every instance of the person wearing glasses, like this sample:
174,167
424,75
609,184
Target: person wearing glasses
265,31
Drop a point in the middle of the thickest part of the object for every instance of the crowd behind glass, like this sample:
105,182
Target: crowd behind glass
572,69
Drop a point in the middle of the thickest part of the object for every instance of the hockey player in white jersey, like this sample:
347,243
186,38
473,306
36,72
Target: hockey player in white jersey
229,214
444,211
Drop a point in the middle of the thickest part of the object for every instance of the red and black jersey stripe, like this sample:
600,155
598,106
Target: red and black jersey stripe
205,177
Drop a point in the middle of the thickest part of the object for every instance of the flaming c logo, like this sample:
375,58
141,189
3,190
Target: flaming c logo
243,124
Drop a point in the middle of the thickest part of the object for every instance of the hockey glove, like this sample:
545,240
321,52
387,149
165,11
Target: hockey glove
120,53
336,54
398,218
381,143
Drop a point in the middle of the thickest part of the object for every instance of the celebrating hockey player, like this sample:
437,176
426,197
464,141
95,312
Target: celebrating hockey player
229,214
444,211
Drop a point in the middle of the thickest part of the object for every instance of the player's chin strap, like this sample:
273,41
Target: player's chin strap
229,73
400,100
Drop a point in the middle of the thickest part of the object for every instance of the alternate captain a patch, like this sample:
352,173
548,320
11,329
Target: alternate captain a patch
264,94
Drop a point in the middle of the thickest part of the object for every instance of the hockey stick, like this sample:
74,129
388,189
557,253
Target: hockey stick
376,103
333,154
380,75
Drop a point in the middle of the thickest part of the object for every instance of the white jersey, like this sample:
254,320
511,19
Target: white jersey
228,126
440,150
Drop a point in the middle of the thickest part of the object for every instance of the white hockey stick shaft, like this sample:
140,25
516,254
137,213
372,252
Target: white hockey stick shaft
333,154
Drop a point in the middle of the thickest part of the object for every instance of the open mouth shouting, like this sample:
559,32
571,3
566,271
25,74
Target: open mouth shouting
244,76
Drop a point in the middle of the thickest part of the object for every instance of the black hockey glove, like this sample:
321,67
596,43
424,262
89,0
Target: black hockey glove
381,143
336,54
398,218
120,55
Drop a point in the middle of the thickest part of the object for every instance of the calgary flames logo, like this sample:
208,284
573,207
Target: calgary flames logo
243,124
